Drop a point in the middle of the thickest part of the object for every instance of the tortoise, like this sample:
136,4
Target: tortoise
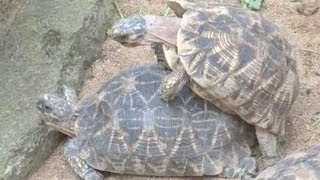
125,127
234,58
301,165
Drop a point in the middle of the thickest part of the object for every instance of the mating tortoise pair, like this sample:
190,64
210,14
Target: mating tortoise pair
126,128
234,58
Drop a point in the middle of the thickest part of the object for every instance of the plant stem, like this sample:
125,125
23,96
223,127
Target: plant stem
166,13
311,50
118,9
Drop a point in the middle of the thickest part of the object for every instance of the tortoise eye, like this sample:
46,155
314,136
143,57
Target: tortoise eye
120,38
124,36
140,36
46,108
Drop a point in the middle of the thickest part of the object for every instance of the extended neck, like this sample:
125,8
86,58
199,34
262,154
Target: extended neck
162,29
67,129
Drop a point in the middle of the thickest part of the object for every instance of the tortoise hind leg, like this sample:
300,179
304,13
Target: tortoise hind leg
78,165
268,145
246,169
173,83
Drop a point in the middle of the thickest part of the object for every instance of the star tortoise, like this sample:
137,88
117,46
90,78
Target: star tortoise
232,57
297,166
127,128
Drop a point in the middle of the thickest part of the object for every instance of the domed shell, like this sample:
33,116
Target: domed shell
302,165
240,59
126,128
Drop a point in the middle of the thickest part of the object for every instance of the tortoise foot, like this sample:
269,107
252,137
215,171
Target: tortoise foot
167,89
246,169
269,161
172,84
93,175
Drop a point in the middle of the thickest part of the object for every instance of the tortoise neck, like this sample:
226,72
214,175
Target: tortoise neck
69,130
66,128
162,29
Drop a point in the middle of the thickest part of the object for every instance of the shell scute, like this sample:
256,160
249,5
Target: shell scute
210,132
222,23
92,109
148,146
186,145
106,149
246,55
131,121
218,64
168,128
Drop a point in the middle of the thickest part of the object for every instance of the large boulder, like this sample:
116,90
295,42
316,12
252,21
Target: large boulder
43,43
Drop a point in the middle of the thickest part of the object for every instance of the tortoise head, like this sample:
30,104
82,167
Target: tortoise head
145,30
57,113
130,31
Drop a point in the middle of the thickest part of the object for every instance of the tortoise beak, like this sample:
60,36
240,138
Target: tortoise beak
125,44
69,131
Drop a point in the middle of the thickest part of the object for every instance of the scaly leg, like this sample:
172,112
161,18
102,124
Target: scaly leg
246,169
171,56
160,56
268,145
172,84
78,165
166,56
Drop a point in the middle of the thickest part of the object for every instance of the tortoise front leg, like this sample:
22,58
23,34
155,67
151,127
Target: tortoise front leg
246,169
173,83
78,165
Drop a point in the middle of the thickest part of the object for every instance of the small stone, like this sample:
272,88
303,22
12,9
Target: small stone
308,9
308,91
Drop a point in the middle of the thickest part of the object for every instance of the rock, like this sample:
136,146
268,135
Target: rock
43,43
308,9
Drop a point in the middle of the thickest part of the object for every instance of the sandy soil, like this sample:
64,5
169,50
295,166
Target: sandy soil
303,32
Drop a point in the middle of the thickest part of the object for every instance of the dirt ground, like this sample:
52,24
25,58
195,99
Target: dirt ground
303,32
